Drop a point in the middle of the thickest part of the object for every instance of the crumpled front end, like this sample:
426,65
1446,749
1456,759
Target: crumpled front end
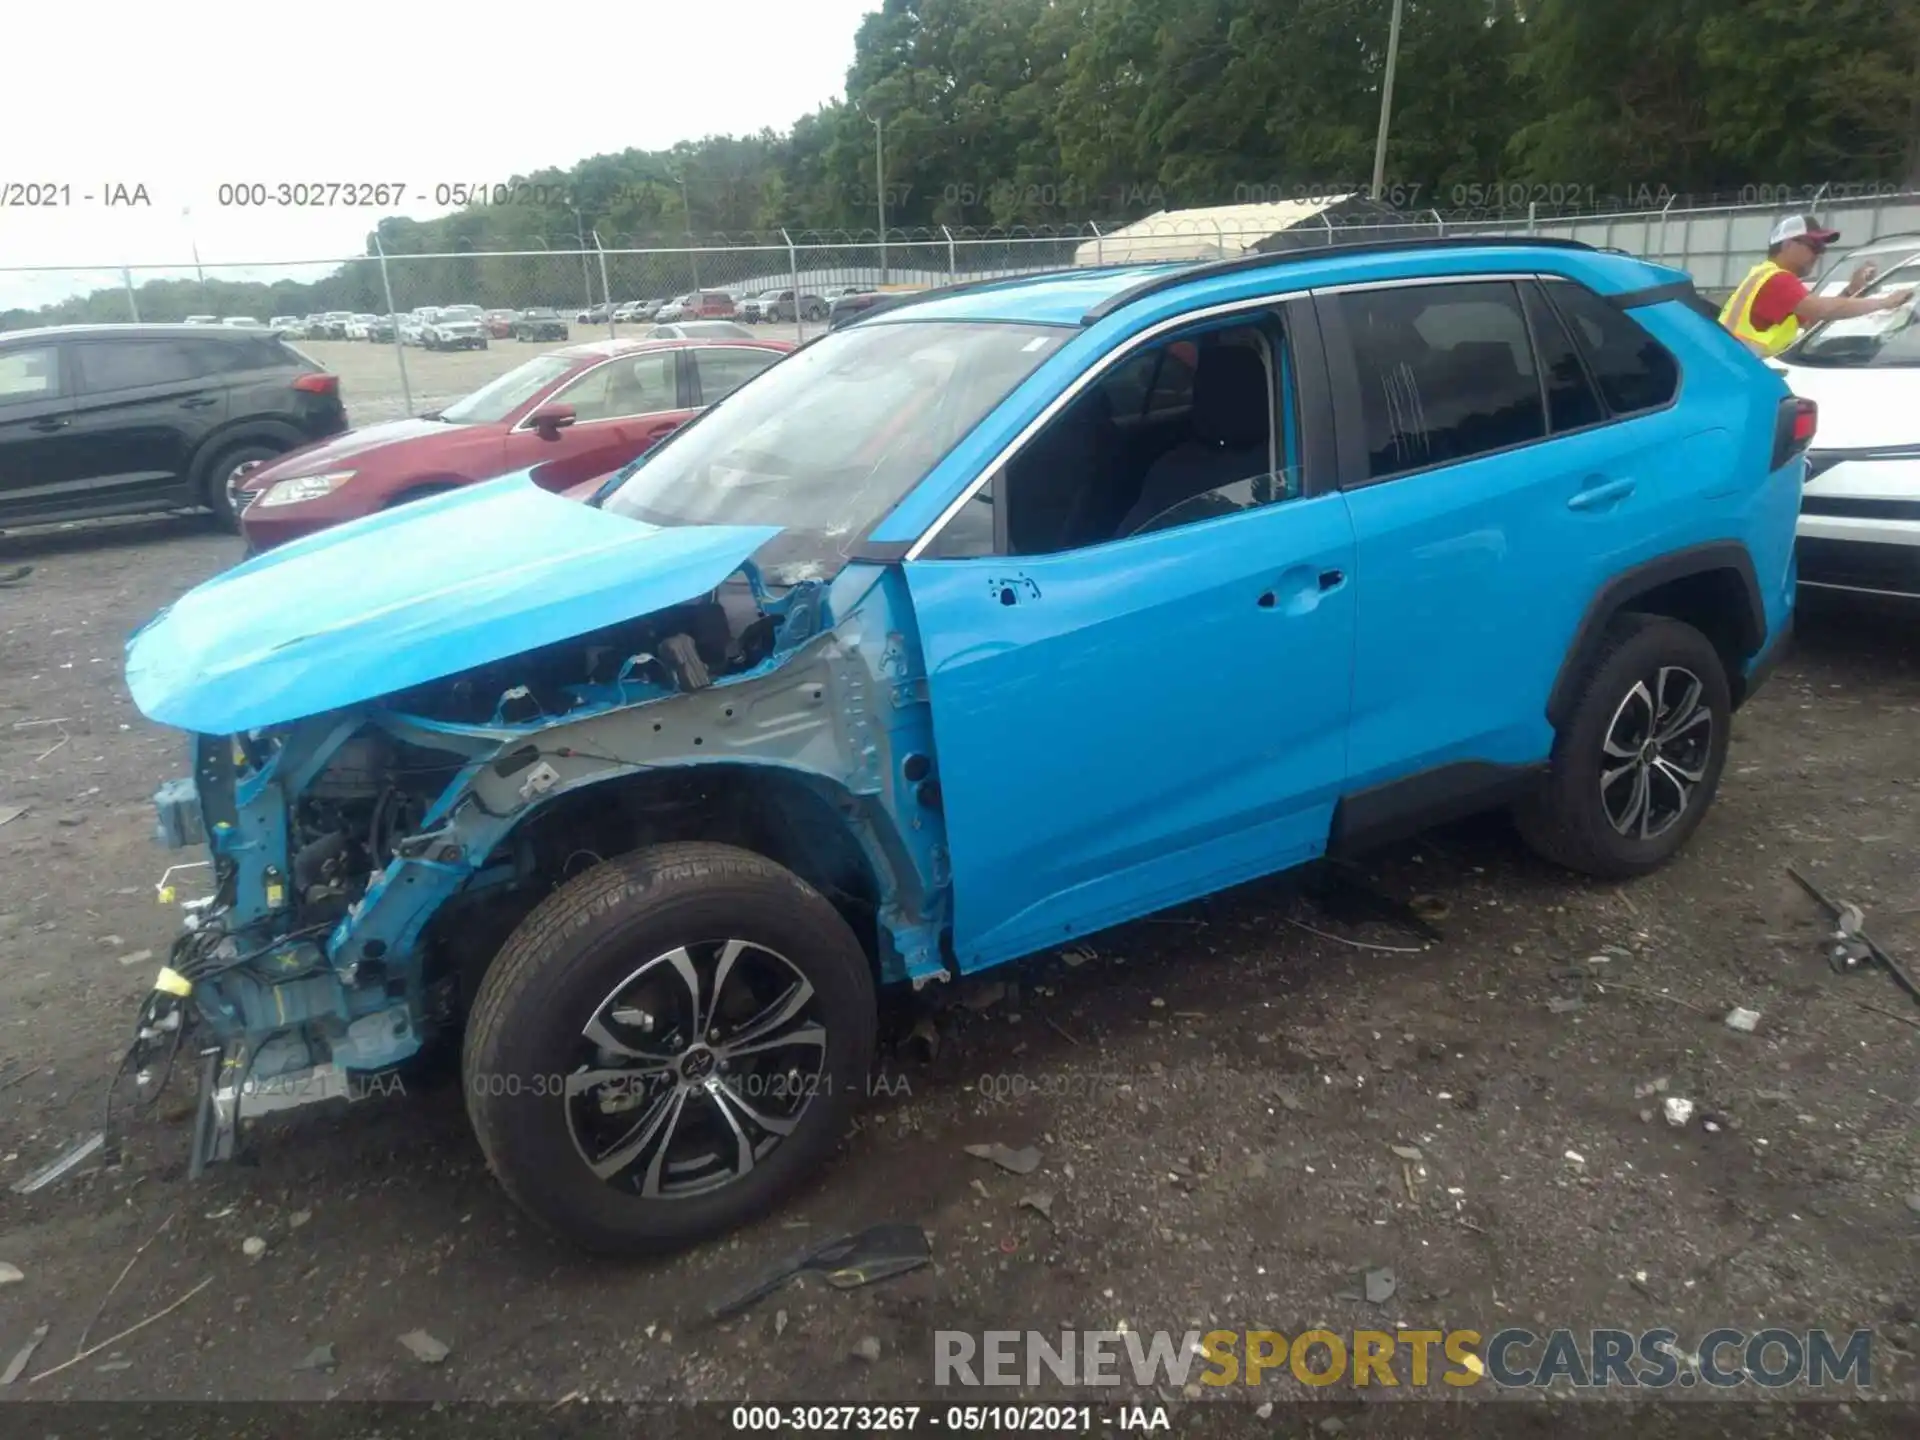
363,865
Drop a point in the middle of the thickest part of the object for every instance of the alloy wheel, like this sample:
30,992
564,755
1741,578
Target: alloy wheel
695,1068
1658,746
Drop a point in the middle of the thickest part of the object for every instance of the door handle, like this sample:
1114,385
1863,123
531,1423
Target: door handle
199,402
1299,589
48,422
1600,496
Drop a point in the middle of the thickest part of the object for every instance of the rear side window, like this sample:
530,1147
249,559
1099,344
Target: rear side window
1634,371
1572,402
1446,372
129,364
247,352
724,369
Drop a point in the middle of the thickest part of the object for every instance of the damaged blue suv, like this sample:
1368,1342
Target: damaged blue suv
1001,615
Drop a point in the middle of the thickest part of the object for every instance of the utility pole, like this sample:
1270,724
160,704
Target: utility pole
879,194
1386,101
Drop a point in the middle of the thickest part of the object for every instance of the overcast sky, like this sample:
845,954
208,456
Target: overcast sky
182,98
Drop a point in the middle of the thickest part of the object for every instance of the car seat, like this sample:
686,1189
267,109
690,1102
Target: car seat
1231,434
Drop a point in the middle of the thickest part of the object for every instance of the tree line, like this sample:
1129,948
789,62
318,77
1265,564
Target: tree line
1008,113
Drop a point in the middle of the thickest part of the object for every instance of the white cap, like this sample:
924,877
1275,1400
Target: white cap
1801,227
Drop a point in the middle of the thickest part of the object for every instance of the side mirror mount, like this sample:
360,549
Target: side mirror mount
549,420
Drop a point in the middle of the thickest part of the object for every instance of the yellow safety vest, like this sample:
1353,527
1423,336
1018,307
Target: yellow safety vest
1737,316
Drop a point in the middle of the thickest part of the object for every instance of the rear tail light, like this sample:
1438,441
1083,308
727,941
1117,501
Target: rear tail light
318,384
1794,429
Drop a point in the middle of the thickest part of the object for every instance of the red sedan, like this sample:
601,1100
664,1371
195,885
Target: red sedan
569,416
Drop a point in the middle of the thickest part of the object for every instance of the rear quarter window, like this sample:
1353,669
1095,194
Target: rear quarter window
1634,371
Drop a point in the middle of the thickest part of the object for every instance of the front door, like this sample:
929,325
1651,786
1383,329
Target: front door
622,408
39,467
1143,717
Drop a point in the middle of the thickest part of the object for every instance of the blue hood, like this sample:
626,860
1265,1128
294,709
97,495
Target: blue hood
411,595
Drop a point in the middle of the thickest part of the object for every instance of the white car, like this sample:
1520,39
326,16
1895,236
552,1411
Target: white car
451,330
241,322
203,320
287,325
1860,512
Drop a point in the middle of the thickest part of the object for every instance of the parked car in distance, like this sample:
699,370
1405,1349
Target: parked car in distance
381,330
698,305
287,326
540,323
358,326
936,621
121,419
453,330
856,301
499,323
568,415
1859,529
700,330
241,322
593,315
778,305
202,320
752,308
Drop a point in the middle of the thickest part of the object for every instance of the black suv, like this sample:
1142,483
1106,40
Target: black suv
118,419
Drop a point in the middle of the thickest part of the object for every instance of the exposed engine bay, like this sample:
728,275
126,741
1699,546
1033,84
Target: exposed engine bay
366,864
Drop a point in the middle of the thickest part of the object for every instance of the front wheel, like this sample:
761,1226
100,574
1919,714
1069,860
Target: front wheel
1635,768
667,1045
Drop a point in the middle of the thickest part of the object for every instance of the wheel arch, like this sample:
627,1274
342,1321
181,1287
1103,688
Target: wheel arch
1712,587
251,430
807,822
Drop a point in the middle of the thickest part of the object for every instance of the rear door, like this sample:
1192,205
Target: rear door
1492,494
143,404
622,408
39,469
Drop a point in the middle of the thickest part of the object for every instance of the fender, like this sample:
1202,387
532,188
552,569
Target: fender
1619,593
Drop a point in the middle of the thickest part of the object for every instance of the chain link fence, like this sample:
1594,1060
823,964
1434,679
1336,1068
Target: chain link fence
358,315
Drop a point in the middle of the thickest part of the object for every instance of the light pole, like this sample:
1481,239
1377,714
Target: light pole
879,191
580,235
686,215
1386,101
186,215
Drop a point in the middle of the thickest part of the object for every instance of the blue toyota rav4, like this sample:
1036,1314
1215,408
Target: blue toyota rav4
1001,615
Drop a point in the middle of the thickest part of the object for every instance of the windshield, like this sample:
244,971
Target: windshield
1884,339
827,441
500,397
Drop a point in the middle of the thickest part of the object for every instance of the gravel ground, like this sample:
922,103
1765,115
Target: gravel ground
1214,1094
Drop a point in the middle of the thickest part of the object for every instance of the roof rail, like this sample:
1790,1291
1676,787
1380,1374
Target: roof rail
1265,259
961,287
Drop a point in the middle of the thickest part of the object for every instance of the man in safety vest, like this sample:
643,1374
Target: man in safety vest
1773,303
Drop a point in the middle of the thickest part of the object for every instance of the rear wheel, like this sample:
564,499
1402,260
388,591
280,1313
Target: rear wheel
667,1045
1636,767
225,472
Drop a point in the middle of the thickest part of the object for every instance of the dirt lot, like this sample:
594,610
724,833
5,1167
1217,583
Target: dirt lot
370,374
1214,1094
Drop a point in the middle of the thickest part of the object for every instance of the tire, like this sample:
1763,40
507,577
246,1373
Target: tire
221,467
611,935
1645,672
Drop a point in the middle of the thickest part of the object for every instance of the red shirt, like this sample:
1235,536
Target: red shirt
1778,297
